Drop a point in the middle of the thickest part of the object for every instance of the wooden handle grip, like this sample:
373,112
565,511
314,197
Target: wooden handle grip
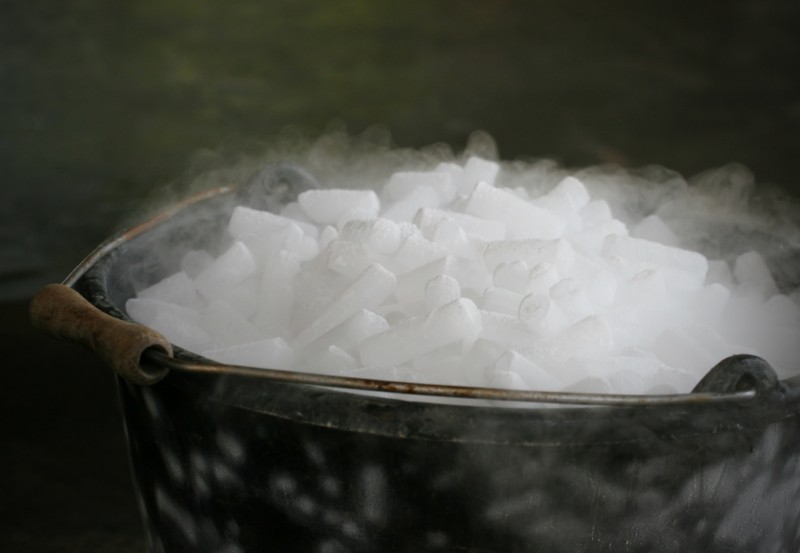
65,314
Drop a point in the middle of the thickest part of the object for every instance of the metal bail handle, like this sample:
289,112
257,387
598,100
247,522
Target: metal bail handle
65,314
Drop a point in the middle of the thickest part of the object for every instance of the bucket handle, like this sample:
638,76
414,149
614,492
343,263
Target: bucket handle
143,356
65,314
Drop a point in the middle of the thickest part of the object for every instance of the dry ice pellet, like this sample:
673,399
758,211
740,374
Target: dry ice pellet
447,276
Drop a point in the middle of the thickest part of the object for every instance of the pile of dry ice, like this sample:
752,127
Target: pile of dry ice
445,276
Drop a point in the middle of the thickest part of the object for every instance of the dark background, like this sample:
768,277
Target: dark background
103,104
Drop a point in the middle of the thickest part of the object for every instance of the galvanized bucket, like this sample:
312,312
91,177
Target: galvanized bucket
230,459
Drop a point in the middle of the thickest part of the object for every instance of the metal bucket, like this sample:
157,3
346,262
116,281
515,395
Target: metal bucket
230,459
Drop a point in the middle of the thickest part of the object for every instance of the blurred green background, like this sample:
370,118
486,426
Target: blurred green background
104,102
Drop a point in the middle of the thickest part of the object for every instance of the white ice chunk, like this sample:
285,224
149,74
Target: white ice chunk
326,206
368,291
644,309
533,308
572,299
227,271
506,330
602,288
542,315
242,297
477,170
505,380
632,327
195,261
295,241
627,374
738,317
429,364
411,285
408,228
596,211
653,228
752,274
316,286
427,218
472,276
419,198
458,321
227,325
348,334
330,360
354,214
480,358
326,236
588,337
542,277
448,234
683,269
271,353
568,196
532,375
446,365
709,302
396,312
720,272
275,299
348,258
416,251
486,229
177,288
377,235
456,173
501,300
590,240
522,219
246,223
645,287
403,183
293,211
531,252
512,276
677,348
181,329
286,235
594,276
145,310
440,290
